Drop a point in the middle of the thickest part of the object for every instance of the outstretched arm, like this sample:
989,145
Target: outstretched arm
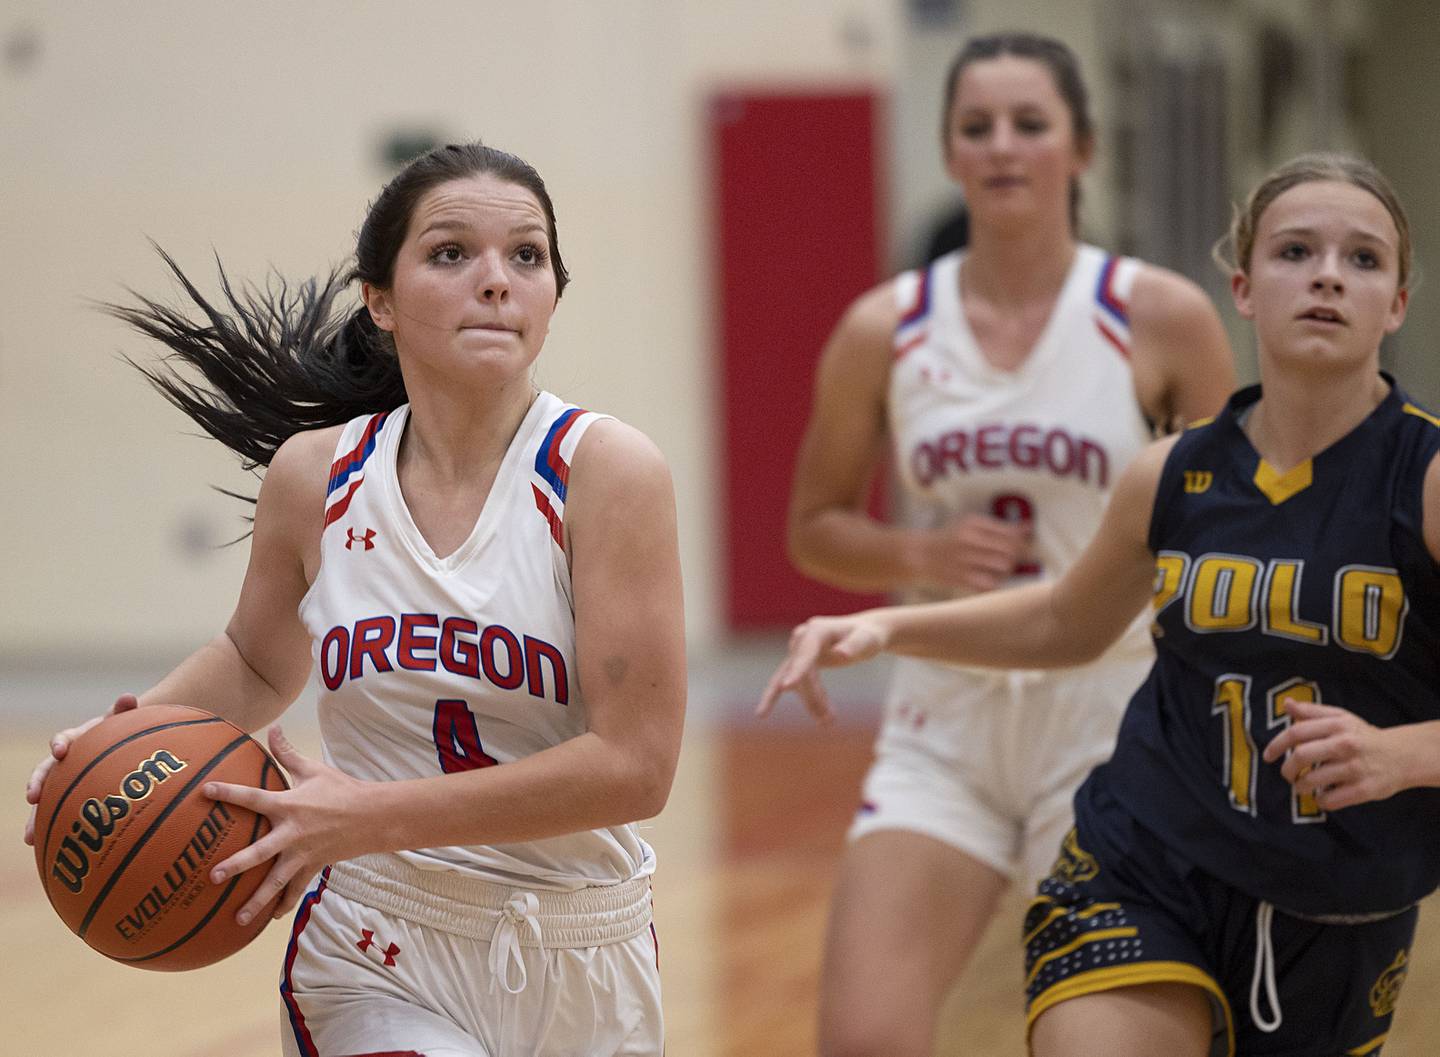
1047,625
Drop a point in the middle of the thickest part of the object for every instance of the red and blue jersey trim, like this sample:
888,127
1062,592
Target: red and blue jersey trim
910,332
287,995
1113,309
554,471
347,471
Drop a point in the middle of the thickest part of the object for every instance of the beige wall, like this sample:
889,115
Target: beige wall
251,128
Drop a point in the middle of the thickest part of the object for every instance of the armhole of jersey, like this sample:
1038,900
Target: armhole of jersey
550,476
357,444
912,302
1112,301
1423,453
1170,478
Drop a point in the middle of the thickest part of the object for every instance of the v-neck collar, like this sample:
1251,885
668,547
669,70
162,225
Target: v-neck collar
485,523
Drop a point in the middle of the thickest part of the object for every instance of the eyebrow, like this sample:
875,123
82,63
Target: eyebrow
1312,233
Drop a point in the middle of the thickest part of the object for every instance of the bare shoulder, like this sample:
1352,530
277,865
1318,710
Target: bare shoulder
1430,504
614,458
1161,297
867,329
296,480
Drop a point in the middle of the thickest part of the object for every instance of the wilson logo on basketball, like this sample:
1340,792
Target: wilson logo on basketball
98,818
367,538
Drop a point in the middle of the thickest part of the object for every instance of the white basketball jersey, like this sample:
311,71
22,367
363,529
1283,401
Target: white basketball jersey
1043,443
431,665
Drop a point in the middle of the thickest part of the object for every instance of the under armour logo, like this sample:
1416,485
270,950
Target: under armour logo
351,539
367,944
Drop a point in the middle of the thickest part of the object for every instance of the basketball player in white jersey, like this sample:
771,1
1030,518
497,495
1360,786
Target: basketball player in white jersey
487,580
1012,380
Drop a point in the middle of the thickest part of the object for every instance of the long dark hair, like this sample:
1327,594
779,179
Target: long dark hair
277,360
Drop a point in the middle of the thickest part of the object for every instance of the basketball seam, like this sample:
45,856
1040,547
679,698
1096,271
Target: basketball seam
135,848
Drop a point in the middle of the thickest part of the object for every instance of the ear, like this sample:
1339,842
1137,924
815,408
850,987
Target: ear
1240,291
1397,311
1084,154
378,302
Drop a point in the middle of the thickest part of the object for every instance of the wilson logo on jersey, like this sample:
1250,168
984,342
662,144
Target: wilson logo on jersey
1197,481
367,538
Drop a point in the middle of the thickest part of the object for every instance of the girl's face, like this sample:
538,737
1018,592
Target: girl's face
1323,285
1010,140
473,290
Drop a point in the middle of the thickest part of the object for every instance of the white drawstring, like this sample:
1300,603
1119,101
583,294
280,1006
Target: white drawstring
1264,966
519,909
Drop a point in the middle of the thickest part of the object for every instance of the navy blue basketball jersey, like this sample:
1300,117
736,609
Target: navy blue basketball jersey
1314,584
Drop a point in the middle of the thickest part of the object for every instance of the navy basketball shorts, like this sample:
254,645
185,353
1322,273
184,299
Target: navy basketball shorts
1279,985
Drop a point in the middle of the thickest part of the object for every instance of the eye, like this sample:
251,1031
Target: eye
974,129
1367,259
1294,251
531,254
1032,126
447,253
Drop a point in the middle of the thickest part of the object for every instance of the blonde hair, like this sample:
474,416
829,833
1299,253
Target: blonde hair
1233,251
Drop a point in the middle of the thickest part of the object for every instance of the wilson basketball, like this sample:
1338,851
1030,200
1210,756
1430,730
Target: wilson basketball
125,840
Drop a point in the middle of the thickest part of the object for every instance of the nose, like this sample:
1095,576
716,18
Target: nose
1328,277
1002,136
493,281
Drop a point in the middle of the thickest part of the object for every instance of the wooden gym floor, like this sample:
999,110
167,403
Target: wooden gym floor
747,848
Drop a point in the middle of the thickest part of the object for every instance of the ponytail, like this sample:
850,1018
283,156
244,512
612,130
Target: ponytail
274,361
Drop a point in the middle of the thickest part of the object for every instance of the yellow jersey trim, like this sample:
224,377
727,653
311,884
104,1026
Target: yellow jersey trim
1200,422
1076,944
1411,409
1379,1040
1278,487
1111,978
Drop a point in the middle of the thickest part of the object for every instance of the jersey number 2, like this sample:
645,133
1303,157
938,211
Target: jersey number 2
1017,509
457,738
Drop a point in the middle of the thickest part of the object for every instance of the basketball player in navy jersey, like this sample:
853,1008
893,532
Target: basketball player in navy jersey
487,580
1010,382
1243,873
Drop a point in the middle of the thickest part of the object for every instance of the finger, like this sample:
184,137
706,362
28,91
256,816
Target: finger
286,753
1299,710
36,781
769,695
124,703
30,828
812,691
294,892
246,796
274,885
247,858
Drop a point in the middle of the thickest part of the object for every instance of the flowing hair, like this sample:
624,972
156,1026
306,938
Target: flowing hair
276,360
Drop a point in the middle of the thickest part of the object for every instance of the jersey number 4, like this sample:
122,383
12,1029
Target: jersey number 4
1241,761
457,738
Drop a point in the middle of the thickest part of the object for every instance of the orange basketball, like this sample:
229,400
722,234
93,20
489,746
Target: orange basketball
125,840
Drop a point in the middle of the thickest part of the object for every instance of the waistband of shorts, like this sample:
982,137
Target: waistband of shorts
471,907
1347,919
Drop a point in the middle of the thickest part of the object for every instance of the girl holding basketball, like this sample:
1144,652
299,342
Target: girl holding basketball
1243,872
1012,381
487,580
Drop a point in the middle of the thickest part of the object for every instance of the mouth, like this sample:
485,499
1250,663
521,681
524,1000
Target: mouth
1002,183
1320,314
490,328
